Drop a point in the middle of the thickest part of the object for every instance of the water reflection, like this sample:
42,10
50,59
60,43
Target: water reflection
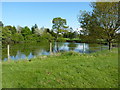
28,51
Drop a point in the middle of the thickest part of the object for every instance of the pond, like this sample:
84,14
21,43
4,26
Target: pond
31,50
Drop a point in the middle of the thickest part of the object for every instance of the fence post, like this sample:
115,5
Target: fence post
8,49
50,48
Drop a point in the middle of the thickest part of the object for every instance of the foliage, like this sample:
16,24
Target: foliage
25,31
6,34
59,31
102,22
11,34
48,36
1,24
23,34
58,25
61,39
17,37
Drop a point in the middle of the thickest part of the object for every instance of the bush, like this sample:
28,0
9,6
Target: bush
61,39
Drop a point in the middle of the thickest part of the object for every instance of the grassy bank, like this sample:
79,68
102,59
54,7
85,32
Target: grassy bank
64,70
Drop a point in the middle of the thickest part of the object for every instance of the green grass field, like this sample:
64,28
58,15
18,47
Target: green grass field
64,70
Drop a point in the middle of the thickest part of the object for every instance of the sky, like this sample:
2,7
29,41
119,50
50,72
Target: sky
42,13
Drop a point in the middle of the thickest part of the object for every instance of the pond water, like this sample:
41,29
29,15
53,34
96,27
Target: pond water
31,50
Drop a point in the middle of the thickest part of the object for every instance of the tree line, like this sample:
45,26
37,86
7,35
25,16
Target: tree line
12,34
101,24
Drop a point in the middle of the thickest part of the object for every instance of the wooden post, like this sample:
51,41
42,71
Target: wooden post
50,48
111,45
8,52
83,47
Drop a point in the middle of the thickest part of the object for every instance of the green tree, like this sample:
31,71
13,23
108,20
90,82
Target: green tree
58,24
1,24
71,35
102,22
33,28
6,34
14,30
17,37
25,32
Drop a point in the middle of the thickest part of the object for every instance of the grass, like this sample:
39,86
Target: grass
64,70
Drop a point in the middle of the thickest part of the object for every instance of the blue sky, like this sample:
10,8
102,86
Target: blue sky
42,13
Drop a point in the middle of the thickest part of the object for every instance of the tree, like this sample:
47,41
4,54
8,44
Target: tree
58,24
36,26
1,24
6,34
26,32
14,30
102,22
53,33
36,30
33,28
90,30
17,37
71,35
19,29
47,30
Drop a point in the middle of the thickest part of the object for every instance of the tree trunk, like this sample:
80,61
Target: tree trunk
100,45
57,47
109,45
